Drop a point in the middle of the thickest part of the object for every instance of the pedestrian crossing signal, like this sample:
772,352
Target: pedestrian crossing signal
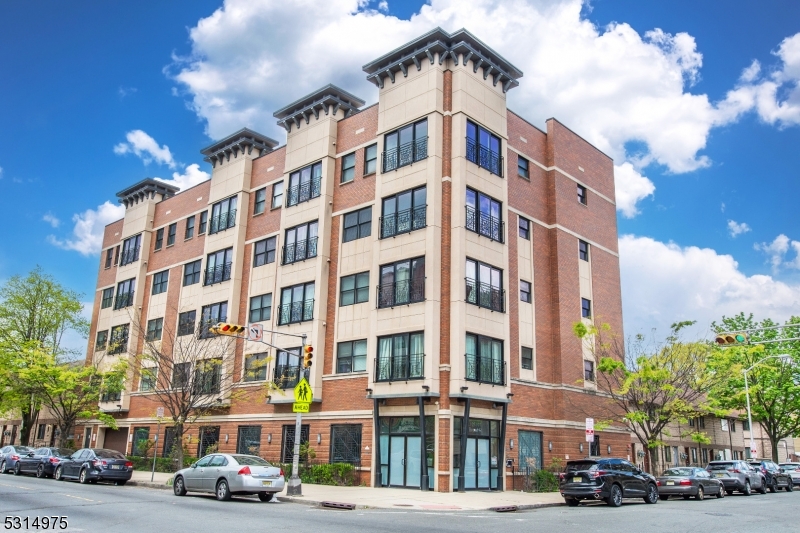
308,355
729,339
223,328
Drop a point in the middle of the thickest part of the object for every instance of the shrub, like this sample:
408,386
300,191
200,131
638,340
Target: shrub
163,464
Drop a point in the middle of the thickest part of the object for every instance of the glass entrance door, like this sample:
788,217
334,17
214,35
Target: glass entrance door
476,464
401,453
405,455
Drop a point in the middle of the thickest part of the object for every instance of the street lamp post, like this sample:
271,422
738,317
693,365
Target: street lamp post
782,357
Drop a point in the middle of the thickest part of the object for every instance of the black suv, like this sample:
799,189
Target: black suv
609,480
776,479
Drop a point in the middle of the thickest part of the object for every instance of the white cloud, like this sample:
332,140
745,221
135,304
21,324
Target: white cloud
191,177
51,219
87,234
664,283
735,229
146,148
631,187
125,91
778,250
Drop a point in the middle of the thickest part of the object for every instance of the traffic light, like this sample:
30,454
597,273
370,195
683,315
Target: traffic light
308,355
728,339
223,328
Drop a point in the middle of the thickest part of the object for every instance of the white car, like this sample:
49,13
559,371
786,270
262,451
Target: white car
793,469
225,475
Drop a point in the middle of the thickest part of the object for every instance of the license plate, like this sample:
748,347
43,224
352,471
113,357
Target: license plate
720,475
116,467
670,482
577,479
266,483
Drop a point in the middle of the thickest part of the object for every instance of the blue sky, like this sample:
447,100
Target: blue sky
94,96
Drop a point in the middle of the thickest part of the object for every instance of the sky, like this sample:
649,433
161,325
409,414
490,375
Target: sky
698,106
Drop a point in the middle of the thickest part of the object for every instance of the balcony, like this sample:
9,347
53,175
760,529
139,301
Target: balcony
405,154
303,192
400,367
123,300
484,224
222,221
287,376
484,369
217,274
404,221
484,158
299,251
404,292
131,255
296,312
486,296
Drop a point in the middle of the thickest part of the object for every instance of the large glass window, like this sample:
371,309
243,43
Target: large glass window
249,440
354,289
119,340
300,243
485,286
212,315
357,224
218,267
140,438
484,215
255,366
404,212
287,368
260,308
148,379
346,443
297,304
130,250
483,149
405,145
160,281
260,201
125,291
400,357
264,251
191,273
370,159
351,356
402,283
304,184
484,360
180,375
348,167
223,215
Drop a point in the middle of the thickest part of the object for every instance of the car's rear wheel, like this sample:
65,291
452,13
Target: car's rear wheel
700,494
223,491
721,493
763,488
17,469
266,496
790,487
652,494
59,474
3,467
83,477
572,502
615,497
40,471
178,487
773,488
747,491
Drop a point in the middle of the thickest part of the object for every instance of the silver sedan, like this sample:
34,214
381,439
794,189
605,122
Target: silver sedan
688,482
226,474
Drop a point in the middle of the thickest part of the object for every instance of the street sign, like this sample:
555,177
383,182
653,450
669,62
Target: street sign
300,407
160,412
303,392
255,332
753,452
590,430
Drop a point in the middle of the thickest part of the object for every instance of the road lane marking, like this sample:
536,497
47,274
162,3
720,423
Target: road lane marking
77,497
16,486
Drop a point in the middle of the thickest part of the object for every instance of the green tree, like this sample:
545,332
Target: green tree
35,313
774,383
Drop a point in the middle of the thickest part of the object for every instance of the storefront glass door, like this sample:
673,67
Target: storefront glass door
401,451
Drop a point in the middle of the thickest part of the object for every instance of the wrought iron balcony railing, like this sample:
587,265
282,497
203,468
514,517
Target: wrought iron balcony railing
217,274
484,158
400,367
484,295
484,224
222,221
299,251
123,300
296,312
404,292
303,192
287,376
405,154
131,255
404,221
484,369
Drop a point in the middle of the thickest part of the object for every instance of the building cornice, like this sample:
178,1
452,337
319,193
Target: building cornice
147,189
327,99
243,140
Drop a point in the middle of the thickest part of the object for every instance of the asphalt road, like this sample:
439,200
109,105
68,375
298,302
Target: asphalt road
107,508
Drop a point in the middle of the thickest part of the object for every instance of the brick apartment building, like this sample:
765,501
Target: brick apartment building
436,248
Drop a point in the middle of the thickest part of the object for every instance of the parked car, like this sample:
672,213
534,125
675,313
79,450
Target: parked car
90,465
230,474
793,469
41,461
609,480
688,482
776,478
737,475
9,455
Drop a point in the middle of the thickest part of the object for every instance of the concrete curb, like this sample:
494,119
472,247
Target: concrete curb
149,485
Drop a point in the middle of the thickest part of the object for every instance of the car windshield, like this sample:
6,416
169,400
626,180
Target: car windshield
62,452
250,460
679,472
579,466
720,466
22,449
108,454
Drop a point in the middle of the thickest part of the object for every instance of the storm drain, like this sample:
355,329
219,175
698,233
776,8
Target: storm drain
504,509
339,505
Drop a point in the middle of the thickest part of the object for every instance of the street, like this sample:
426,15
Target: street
101,508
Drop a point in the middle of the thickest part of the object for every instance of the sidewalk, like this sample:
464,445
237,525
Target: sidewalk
386,498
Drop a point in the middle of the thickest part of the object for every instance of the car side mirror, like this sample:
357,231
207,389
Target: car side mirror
194,465
30,454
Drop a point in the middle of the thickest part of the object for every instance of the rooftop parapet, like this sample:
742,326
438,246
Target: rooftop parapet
243,140
146,189
324,99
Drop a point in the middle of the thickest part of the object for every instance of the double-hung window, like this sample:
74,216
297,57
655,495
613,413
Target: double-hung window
484,215
277,194
485,286
297,304
186,323
304,185
149,379
400,357
160,281
370,159
402,283
582,195
180,375
527,358
264,251
108,298
189,233
255,367
357,224
218,267
159,239
354,289
191,273
119,340
351,356
130,250
525,291
260,308
223,215
405,146
583,250
116,255
404,212
288,368
260,201
210,316
588,371
172,231
524,228
586,308
522,168
154,329
102,340
484,360
125,290
208,376
300,243
203,223
348,167
483,149
109,257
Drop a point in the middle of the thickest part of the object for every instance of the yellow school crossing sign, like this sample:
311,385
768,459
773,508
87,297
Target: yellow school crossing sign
303,396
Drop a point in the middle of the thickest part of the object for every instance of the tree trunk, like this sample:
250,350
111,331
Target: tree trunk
653,453
177,447
774,441
27,424
64,429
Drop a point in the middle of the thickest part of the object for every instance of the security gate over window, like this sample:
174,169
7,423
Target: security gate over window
287,447
209,440
530,450
346,443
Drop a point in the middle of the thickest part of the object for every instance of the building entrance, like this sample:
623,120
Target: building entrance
401,451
